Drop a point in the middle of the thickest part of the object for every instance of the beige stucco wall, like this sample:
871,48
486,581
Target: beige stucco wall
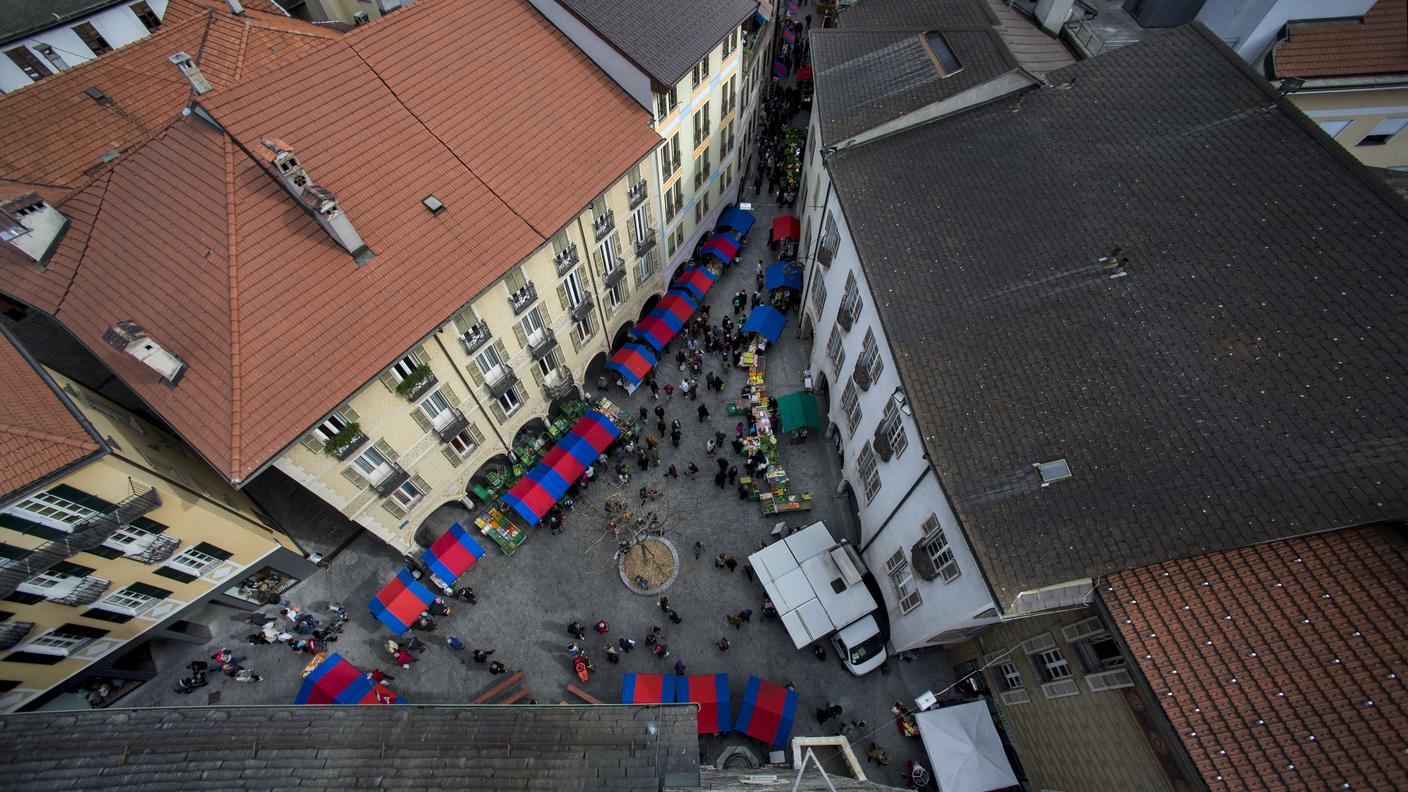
1363,109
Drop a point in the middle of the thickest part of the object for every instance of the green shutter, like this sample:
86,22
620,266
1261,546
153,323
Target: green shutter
520,335
562,300
386,450
476,434
393,509
421,419
16,523
451,455
66,568
348,414
498,411
149,525
537,374
465,320
212,550
449,394
356,478
99,614
501,352
103,551
312,442
150,591
475,374
173,574
81,497
388,381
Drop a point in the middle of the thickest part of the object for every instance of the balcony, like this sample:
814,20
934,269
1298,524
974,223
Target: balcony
566,259
86,535
475,338
824,254
844,315
541,342
524,297
501,383
645,243
391,480
158,549
415,384
86,592
558,384
603,225
615,276
862,375
636,193
582,309
12,632
452,426
342,445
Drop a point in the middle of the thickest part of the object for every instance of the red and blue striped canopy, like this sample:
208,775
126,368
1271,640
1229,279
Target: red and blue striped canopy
336,681
792,7
452,554
401,602
696,281
548,481
666,319
649,689
710,692
722,245
788,36
767,713
632,362
779,69
654,330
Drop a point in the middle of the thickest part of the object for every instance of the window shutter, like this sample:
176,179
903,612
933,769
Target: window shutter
537,374
1039,643
388,381
475,374
150,591
353,476
1081,629
476,435
386,450
449,395
212,550
562,296
451,455
421,419
349,414
502,353
421,485
1015,697
620,243
598,261
422,357
625,288
312,443
1109,680
393,509
519,334
464,320
498,411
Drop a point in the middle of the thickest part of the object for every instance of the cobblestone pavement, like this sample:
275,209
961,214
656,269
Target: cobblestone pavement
525,602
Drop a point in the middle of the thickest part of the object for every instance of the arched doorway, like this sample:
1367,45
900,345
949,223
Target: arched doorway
481,486
650,303
439,521
532,429
622,334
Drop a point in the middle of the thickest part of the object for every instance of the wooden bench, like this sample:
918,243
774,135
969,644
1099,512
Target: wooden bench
521,694
500,688
583,695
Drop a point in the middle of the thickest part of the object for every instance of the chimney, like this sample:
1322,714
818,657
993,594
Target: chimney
130,337
32,226
189,68
235,7
317,199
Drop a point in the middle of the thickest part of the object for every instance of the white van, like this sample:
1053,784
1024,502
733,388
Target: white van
860,645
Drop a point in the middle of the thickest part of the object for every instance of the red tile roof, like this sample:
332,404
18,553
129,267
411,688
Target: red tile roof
39,435
196,242
1376,45
1279,665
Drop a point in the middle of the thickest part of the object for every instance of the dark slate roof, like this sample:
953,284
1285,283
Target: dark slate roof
665,38
20,18
337,748
868,77
1243,381
916,15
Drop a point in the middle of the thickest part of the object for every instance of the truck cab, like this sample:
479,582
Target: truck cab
860,646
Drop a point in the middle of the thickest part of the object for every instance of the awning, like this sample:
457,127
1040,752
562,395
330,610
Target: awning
792,8
710,692
654,331
696,281
336,681
788,36
784,275
766,321
401,602
545,484
965,753
767,713
740,220
722,245
804,74
799,410
676,306
648,689
452,554
786,227
632,362
779,69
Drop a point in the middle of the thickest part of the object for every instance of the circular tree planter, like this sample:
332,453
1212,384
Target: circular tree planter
655,560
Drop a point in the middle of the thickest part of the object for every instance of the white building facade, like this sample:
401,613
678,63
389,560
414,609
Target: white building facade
77,40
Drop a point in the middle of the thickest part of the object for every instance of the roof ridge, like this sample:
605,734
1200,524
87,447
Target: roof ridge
244,47
232,267
106,180
71,442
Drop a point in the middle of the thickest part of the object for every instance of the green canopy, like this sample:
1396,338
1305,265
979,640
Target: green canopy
799,410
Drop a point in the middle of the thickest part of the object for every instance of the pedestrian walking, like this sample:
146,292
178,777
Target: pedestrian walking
723,465
626,644
679,668
455,643
735,621
660,426
644,414
496,667
704,416
672,473
732,564
664,603
693,468
482,655
660,412
654,389
669,392
577,630
709,446
698,549
661,651
601,627
877,755
675,438
732,473
747,568
612,656
719,479
404,658
674,617
723,644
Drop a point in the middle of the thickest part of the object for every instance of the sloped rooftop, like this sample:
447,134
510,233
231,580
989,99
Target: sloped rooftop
39,433
1377,43
665,38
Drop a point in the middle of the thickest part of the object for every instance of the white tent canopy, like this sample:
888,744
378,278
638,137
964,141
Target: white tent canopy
965,753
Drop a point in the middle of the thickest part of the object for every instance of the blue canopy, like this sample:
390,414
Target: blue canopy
739,220
766,321
785,275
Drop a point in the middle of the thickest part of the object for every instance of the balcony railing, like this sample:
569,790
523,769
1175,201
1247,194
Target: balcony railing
582,309
476,337
558,383
615,276
392,480
86,535
566,259
87,592
342,445
157,550
541,343
420,380
825,253
12,632
636,193
456,424
844,315
524,297
602,225
501,384
645,243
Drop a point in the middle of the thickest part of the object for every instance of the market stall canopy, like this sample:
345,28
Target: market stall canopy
666,319
546,483
336,681
786,227
767,713
655,331
740,220
649,689
452,554
710,692
799,410
695,280
766,321
722,245
964,750
784,275
804,74
632,362
789,36
401,602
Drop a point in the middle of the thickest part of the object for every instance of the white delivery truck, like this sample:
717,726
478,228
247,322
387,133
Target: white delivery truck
814,582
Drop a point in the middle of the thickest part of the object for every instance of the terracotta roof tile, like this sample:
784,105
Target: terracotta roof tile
39,435
1377,44
1266,658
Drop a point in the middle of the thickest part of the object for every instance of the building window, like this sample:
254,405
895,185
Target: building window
835,350
49,582
1010,676
700,72
870,356
830,232
373,466
903,579
407,495
674,202
893,428
50,509
57,642
91,38
193,561
437,409
510,400
406,366
609,259
665,103
869,474
146,16
128,601
730,42
669,157
850,403
1384,131
328,429
940,554
124,537
33,68
52,56
851,301
1333,128
701,124
1098,653
465,442
1051,664
639,229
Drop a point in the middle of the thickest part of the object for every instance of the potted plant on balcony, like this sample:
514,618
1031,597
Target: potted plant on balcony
345,438
411,386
